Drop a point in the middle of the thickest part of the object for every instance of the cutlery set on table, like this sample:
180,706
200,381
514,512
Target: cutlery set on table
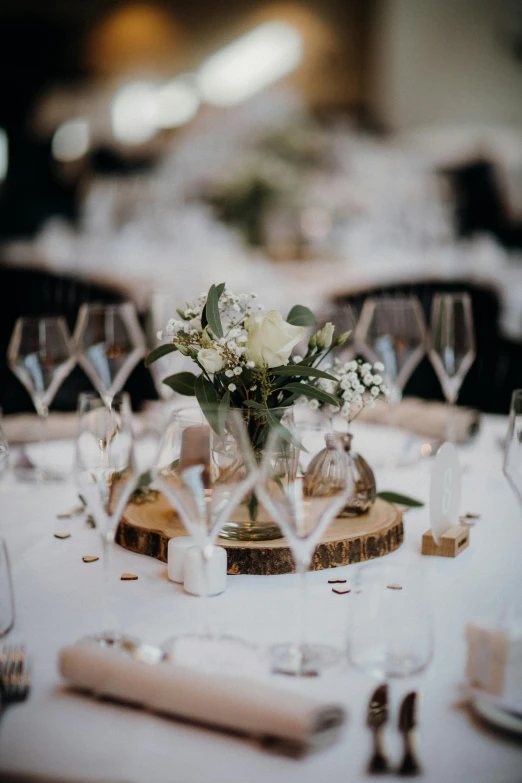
377,717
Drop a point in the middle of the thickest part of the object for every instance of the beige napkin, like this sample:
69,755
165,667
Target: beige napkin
26,428
278,718
426,419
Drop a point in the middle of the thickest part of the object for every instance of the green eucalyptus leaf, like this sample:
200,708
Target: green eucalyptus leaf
157,353
212,309
285,433
302,369
224,407
400,500
300,315
313,392
182,383
208,399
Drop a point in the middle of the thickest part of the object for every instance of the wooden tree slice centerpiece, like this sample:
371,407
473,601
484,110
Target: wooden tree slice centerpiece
146,528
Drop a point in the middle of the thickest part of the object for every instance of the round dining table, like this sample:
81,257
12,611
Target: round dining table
58,734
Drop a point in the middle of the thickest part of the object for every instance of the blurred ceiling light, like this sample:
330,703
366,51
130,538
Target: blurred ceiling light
177,103
4,154
71,140
248,65
133,113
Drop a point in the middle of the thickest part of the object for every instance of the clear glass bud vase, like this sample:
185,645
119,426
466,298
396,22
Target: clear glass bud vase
322,474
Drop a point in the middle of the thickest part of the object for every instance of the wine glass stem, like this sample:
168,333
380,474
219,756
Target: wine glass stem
301,566
205,563
43,416
109,616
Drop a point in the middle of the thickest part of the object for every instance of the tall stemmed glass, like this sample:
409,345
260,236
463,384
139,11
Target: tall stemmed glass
452,347
105,473
41,355
513,449
392,330
205,476
303,512
109,343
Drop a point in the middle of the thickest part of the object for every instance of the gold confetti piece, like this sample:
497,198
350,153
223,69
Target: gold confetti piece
74,512
90,558
62,535
341,592
394,587
128,577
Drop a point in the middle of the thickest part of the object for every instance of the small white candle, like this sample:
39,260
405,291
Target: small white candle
176,557
194,582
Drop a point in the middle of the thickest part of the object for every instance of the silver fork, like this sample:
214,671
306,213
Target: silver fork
14,677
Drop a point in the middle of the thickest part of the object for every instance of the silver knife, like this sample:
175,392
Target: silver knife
376,718
407,723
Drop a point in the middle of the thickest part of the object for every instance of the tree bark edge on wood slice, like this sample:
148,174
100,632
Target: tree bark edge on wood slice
147,529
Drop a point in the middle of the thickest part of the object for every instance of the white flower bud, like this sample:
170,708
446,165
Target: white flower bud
231,387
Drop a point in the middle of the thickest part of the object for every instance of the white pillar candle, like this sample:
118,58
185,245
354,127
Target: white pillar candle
216,571
177,549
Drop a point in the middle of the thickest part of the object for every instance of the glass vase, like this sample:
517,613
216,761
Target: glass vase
322,472
250,521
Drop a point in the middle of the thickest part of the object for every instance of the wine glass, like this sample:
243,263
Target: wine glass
391,627
161,307
41,355
205,476
4,449
513,449
303,512
105,472
452,347
109,343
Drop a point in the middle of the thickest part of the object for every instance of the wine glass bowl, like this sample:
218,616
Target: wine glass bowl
512,465
109,344
452,341
392,330
41,355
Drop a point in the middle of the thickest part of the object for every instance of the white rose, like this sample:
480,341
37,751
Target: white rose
270,339
211,360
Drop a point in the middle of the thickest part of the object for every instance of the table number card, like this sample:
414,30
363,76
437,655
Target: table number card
446,538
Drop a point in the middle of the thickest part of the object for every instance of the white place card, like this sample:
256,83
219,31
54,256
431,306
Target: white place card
445,490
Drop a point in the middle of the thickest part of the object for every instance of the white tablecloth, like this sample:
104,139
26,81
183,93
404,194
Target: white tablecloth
58,733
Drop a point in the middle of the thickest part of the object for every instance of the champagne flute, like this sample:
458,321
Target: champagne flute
204,488
303,512
41,355
513,449
452,347
109,343
105,474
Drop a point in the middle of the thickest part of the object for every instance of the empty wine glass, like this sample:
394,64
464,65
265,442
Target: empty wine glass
109,343
161,306
392,330
513,449
391,628
452,347
303,512
41,355
105,472
200,473
4,449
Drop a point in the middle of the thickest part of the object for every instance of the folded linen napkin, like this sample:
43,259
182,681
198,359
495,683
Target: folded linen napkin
426,419
280,719
25,427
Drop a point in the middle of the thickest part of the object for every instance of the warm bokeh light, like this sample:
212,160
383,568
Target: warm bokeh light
4,154
134,113
177,103
249,64
71,140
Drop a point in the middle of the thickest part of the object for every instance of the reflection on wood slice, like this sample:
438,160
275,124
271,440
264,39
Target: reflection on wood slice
147,529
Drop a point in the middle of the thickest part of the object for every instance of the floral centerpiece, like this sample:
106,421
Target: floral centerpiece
244,357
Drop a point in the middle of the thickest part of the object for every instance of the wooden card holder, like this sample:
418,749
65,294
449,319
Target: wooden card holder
452,542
